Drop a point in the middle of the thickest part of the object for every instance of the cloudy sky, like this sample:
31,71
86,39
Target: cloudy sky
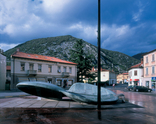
127,26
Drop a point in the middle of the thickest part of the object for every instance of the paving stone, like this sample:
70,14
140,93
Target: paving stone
62,104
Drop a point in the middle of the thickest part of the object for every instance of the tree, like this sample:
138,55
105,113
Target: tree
84,61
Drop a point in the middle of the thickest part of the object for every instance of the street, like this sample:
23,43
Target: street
139,108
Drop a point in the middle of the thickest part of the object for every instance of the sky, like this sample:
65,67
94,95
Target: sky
127,26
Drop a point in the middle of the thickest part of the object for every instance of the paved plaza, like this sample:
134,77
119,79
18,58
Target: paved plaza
139,109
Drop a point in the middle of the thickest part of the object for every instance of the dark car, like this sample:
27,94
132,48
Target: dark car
141,89
130,87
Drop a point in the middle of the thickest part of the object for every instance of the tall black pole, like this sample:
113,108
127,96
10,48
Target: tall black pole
99,60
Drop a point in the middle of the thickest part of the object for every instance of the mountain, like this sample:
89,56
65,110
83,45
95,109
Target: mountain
59,47
138,56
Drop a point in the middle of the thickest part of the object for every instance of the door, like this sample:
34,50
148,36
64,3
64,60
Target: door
64,83
147,84
50,80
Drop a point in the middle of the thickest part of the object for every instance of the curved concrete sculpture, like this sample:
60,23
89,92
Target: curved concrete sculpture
80,92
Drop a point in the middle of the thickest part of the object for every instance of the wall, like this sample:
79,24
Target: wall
138,76
54,75
2,72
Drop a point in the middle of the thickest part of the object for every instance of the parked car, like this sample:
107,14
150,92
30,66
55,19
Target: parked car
130,87
141,89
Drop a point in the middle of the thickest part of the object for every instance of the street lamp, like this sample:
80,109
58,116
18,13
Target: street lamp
99,59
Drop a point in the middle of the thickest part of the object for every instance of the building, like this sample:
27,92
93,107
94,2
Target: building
122,78
2,71
34,67
106,76
149,69
135,74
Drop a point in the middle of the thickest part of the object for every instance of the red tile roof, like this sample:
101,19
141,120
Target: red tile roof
123,74
136,66
8,68
18,54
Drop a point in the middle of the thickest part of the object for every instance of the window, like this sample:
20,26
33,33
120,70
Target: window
135,73
22,66
59,69
39,68
70,70
153,70
64,69
153,58
31,66
49,68
147,59
146,71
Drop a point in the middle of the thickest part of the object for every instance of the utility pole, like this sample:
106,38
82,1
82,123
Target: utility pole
99,59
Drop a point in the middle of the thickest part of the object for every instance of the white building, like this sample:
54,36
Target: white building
2,71
34,67
107,76
135,75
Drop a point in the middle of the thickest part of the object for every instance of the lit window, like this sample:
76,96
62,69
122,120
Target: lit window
22,66
49,68
39,68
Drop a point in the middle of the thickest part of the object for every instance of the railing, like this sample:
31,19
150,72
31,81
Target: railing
65,74
32,72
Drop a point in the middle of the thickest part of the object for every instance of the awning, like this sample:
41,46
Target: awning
136,79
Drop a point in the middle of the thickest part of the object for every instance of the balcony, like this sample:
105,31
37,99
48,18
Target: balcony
31,72
65,74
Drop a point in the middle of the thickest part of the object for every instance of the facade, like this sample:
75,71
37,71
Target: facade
149,69
135,74
122,78
2,71
34,67
107,76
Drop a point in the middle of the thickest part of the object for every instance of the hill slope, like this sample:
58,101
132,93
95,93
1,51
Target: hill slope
138,56
59,47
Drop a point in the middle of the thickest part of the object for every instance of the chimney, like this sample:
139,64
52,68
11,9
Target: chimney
141,60
18,49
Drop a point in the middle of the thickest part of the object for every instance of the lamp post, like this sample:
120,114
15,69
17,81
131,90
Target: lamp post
99,59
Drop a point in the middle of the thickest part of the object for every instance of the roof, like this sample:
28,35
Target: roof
136,66
18,54
123,74
8,68
149,52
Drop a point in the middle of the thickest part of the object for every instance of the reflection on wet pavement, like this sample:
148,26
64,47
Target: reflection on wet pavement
125,113
76,116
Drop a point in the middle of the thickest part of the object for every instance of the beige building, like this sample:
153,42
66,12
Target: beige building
34,67
2,71
149,63
122,78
